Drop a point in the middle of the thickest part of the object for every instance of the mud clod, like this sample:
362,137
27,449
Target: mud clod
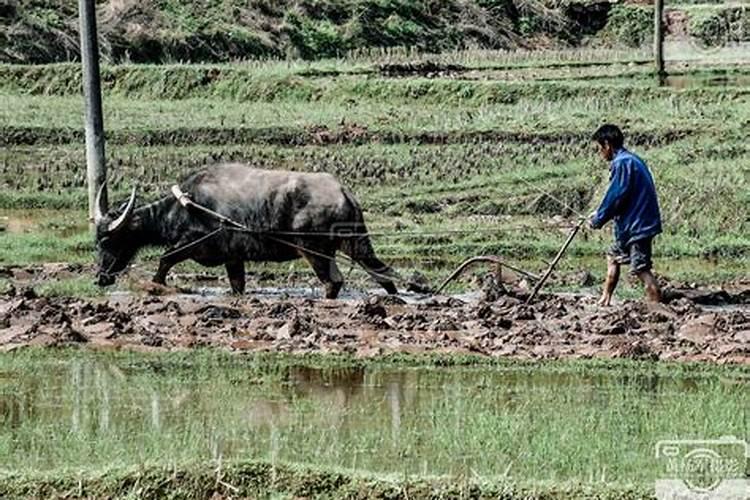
700,330
216,314
372,309
555,326
585,279
418,283
492,288
427,69
637,350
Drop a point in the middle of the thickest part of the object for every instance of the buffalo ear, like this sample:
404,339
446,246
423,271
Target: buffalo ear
122,220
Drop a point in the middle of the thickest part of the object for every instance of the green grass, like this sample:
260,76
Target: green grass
46,236
72,287
495,159
109,418
187,79
476,112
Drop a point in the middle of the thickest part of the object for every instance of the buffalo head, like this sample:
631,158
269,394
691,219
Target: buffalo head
115,245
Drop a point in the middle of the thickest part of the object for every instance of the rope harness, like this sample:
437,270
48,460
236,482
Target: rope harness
229,224
186,202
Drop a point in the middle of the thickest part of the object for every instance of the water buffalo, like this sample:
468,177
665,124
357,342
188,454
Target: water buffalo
273,203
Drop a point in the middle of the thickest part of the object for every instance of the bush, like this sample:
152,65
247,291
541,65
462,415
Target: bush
718,27
315,38
630,25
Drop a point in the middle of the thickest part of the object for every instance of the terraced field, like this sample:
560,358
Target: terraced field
429,148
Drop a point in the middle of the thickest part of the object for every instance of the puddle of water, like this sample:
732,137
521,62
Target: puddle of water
92,411
18,224
727,308
692,81
689,51
63,223
210,293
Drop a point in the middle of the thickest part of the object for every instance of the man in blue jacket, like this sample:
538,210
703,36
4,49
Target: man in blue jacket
631,201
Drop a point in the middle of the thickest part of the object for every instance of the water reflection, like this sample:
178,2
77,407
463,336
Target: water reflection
445,420
692,81
97,396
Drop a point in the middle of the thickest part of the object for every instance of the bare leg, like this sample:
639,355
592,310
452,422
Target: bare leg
328,272
652,287
236,274
613,276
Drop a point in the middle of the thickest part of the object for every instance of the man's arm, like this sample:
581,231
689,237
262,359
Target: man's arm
618,190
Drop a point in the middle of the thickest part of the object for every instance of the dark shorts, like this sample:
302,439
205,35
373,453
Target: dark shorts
637,254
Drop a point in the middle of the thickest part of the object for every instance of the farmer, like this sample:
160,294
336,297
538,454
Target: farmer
631,201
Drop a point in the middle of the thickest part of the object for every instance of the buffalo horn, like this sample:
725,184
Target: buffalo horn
119,222
99,210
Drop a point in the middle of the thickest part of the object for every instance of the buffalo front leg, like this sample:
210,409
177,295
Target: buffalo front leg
166,263
236,274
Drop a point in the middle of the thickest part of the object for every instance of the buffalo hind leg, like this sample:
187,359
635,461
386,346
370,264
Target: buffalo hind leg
236,274
327,272
380,272
360,251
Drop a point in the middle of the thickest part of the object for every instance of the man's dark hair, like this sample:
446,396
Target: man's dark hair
611,134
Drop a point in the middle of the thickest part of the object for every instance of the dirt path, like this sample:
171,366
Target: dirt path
557,326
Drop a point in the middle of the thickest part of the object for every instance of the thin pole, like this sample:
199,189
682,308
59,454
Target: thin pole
554,262
659,38
96,170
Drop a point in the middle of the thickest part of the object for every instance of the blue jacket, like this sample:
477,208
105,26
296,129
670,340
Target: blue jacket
630,200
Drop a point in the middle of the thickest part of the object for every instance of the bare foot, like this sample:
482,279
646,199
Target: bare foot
604,301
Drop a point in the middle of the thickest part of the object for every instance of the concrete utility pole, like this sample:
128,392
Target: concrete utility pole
96,170
659,38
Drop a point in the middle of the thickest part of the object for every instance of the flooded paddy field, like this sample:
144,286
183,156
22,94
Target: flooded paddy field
143,391
109,423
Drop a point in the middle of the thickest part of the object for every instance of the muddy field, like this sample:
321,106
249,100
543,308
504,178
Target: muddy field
694,325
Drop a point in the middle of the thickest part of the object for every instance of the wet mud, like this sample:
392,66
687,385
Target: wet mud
694,325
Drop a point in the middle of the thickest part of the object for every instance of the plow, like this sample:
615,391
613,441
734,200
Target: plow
499,263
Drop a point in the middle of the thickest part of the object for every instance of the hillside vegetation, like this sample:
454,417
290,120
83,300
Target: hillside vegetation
158,31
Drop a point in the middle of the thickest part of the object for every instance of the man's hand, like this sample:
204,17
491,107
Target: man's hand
592,220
